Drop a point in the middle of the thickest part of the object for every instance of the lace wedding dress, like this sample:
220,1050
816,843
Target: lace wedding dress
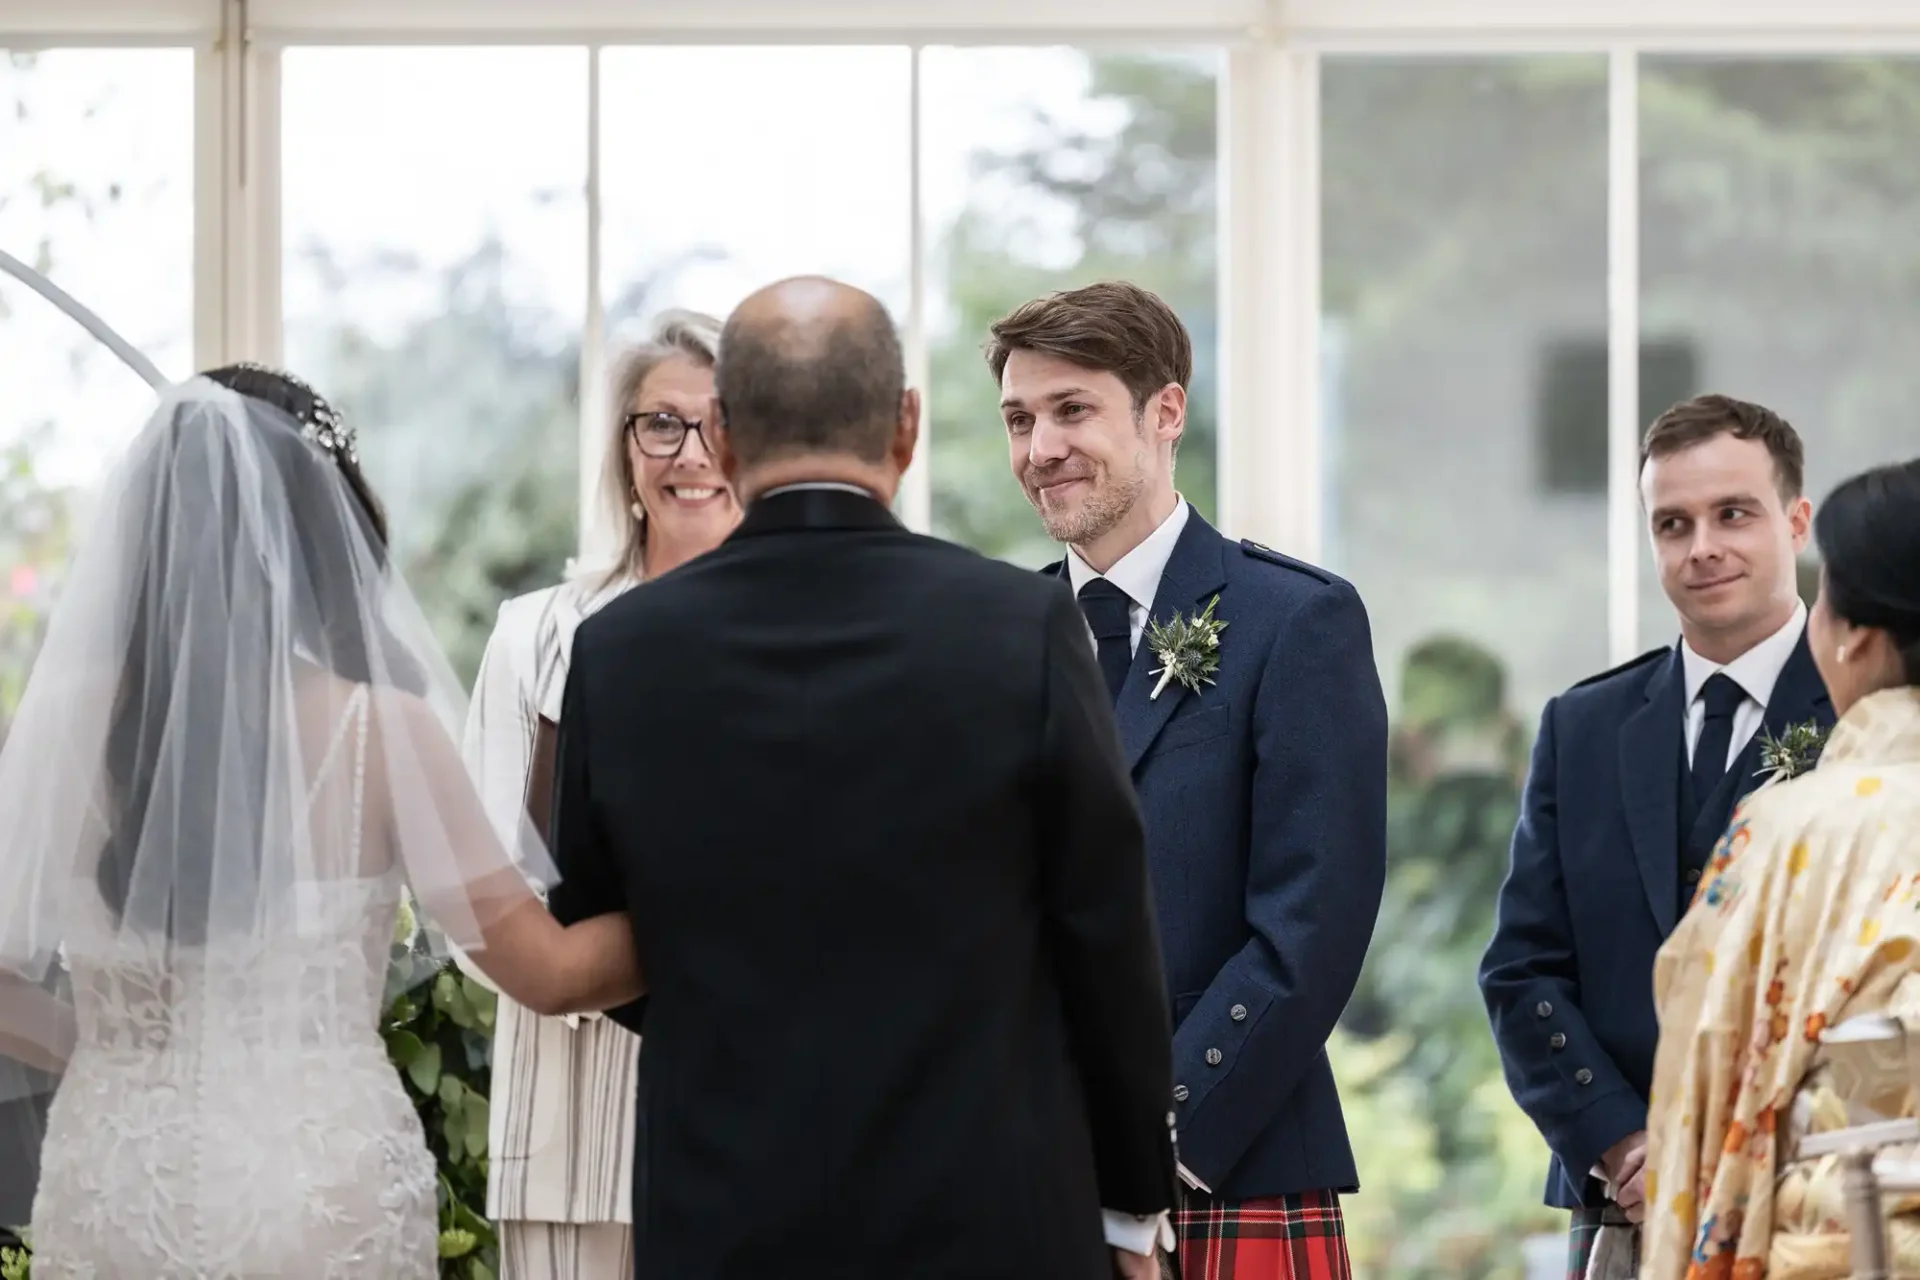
201,1133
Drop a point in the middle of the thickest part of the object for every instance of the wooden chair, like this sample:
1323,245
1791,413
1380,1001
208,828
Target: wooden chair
1876,1056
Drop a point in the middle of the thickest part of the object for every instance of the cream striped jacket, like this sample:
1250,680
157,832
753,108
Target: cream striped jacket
561,1131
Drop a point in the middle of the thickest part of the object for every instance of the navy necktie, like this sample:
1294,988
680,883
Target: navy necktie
1722,697
1108,608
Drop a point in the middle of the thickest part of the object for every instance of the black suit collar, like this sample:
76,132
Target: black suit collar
1800,695
814,508
1195,571
1653,747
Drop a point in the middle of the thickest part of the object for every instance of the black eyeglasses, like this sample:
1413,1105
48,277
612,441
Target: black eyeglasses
659,434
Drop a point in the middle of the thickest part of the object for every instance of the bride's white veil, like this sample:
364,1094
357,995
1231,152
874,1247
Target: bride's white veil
237,742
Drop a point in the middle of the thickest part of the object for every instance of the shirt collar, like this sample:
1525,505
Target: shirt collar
841,485
1138,572
1757,670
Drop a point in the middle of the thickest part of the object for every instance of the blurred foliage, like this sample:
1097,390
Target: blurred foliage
1142,204
439,1033
36,532
1777,220
1457,761
469,421
35,520
469,426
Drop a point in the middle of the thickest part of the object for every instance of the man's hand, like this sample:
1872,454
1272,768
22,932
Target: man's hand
1129,1265
1625,1166
1632,1198
1624,1158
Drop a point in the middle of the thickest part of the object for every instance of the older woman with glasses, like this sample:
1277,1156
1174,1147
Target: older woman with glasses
561,1136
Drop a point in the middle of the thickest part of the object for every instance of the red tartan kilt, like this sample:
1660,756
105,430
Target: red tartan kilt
1297,1237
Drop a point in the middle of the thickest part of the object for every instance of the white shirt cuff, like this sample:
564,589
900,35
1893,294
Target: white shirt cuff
1135,1234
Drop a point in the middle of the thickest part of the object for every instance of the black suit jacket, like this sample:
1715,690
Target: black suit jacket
863,795
1593,889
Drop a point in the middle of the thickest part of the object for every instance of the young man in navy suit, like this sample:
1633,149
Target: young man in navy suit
1263,784
1635,775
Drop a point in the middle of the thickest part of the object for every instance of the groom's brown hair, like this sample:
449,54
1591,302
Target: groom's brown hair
1700,419
1114,327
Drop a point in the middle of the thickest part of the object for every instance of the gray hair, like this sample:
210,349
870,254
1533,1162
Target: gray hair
692,335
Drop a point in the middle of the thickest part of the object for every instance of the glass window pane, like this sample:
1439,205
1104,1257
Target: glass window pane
726,169
96,191
435,256
1465,328
1046,169
1777,216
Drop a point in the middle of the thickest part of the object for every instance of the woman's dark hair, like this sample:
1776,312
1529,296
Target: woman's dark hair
1868,531
306,407
190,473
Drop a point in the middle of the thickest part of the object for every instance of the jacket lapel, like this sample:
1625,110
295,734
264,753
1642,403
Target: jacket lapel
1798,696
1195,571
1650,755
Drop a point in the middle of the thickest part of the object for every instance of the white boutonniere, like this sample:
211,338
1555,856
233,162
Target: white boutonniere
1794,752
1188,649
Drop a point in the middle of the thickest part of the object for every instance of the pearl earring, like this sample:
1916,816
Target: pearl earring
638,512
1841,653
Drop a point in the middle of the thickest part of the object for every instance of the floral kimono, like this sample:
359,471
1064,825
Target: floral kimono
1809,915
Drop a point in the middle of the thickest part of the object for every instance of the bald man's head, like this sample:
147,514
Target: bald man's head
810,366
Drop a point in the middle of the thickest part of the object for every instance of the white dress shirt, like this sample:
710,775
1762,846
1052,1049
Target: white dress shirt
1756,672
1123,1230
1137,573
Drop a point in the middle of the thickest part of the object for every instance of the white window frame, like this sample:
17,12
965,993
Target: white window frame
1269,281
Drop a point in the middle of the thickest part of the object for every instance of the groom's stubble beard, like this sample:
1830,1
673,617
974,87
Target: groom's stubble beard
1113,496
1104,508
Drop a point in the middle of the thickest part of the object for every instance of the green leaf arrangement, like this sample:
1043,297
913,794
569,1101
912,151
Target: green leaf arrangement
1188,649
439,1033
1794,752
17,1264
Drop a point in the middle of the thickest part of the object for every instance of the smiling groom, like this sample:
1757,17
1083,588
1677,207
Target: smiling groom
1260,762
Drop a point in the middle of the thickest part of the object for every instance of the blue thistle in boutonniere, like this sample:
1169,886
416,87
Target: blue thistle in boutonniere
1793,753
1188,649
